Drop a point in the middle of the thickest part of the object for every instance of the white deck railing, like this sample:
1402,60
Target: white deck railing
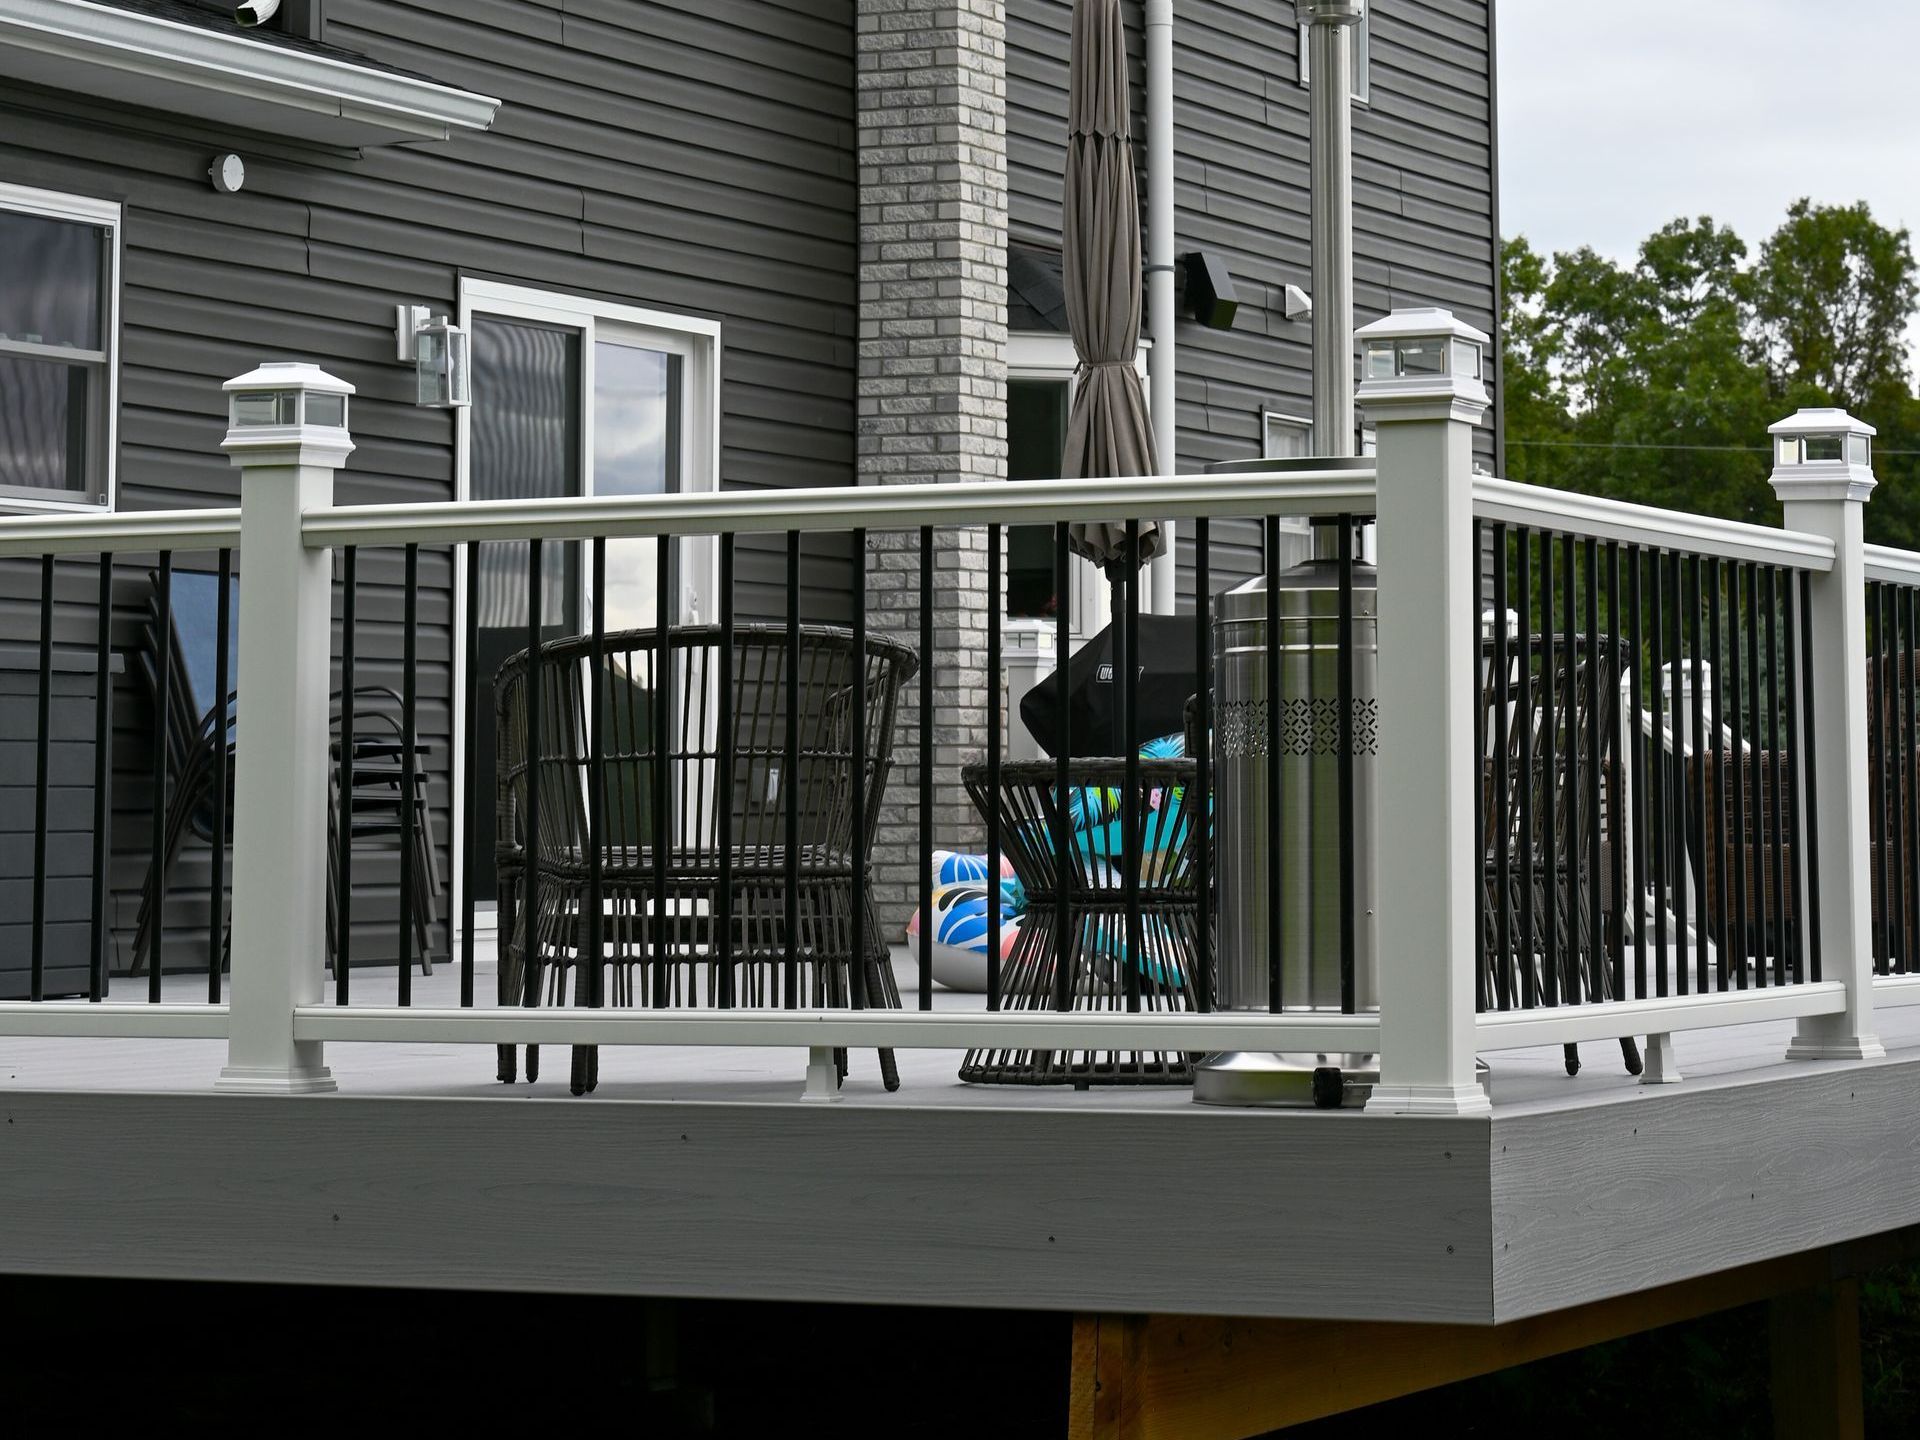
1427,501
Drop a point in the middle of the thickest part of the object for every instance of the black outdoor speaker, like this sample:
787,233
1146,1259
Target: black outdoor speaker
1210,290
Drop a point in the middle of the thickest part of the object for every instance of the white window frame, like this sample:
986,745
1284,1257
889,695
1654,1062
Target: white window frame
1049,355
1271,418
1362,61
697,341
110,214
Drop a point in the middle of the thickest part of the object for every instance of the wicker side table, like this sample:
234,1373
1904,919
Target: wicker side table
1097,957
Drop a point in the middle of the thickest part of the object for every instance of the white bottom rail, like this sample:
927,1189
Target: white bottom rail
1615,1019
1896,990
112,1020
854,1029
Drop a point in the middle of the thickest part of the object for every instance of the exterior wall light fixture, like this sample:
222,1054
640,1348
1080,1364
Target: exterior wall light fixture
441,354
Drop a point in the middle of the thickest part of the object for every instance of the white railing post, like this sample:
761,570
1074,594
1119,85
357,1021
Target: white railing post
287,434
1823,475
1421,387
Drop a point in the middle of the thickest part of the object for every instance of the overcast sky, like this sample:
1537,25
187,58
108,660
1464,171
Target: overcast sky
1617,117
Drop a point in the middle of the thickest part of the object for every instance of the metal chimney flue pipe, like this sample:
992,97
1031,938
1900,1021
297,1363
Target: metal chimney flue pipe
1330,38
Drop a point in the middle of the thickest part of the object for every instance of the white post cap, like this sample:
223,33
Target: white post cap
1422,364
287,412
1822,454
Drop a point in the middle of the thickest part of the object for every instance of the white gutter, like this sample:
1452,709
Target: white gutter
1160,314
139,59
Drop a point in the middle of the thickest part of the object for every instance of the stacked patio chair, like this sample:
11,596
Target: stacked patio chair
199,725
693,865
1542,806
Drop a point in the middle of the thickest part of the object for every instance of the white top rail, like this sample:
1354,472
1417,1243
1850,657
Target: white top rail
1647,525
847,507
36,535
1893,567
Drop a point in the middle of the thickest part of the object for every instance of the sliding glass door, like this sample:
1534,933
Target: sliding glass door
573,397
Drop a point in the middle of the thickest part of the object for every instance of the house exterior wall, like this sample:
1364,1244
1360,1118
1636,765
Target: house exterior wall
1424,183
694,158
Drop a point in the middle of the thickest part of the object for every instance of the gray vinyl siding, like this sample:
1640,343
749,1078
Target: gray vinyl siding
1423,192
694,157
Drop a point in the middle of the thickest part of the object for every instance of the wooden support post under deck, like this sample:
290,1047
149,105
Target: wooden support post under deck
1190,1377
1816,1363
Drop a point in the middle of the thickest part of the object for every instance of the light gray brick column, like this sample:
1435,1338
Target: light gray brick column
932,378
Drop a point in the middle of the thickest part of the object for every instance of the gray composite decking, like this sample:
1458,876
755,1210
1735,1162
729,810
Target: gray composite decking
700,1172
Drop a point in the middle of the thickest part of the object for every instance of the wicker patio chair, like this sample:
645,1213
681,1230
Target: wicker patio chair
663,927
1098,956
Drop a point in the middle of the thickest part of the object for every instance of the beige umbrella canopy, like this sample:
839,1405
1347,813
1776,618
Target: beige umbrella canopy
1108,432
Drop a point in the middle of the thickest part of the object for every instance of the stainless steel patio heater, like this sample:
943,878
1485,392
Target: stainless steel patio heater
1286,883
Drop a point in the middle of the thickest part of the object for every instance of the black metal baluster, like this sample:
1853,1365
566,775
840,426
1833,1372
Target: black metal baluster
1911,790
1275,730
1677,778
1899,899
469,782
665,930
1130,840
1879,823
409,762
1809,821
1638,756
1483,988
1200,813
925,957
1741,865
1523,714
1570,867
791,782
162,714
1755,761
343,782
530,928
43,744
1697,837
1549,778
725,791
994,720
1798,879
1625,666
1717,790
102,782
1063,859
1499,697
857,966
1776,824
217,856
1658,750
1596,710
593,952
1343,699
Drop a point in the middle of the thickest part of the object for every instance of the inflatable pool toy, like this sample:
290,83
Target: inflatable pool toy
960,919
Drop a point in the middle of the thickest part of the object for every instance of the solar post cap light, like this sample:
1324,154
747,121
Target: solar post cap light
286,400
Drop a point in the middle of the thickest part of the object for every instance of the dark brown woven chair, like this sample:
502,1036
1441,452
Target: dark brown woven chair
1098,957
663,925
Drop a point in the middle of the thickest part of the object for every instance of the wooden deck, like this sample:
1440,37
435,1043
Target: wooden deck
700,1172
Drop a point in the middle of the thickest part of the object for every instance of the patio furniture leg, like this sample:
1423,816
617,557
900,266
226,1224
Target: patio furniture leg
1630,1053
1573,1059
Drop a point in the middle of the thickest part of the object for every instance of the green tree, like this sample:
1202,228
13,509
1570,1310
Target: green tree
1833,293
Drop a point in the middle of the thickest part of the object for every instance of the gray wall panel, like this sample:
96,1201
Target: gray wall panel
692,157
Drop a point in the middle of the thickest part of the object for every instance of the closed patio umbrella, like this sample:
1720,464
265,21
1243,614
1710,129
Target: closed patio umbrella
1108,432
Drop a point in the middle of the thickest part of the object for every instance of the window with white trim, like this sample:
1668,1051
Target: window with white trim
1362,64
1284,436
59,326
